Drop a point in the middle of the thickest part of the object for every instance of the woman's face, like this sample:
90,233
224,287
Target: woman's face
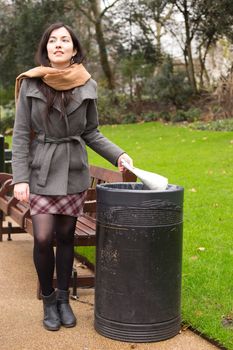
60,48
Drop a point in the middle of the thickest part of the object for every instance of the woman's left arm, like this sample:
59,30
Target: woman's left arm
98,142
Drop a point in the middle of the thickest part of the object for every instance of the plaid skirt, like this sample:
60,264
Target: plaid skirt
71,204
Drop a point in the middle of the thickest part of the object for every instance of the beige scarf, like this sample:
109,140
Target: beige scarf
59,79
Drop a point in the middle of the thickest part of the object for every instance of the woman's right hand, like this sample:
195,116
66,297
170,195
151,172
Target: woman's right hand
21,191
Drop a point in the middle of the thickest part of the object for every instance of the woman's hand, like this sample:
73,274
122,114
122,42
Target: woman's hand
126,158
21,191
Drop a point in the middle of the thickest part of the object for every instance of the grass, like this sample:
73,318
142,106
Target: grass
201,162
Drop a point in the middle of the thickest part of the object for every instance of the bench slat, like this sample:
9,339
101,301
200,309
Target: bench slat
85,229
88,221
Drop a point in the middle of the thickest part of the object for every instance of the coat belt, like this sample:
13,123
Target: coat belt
50,145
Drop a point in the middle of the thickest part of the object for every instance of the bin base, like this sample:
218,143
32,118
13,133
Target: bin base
137,333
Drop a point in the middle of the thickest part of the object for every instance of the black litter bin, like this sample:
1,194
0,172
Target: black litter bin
138,262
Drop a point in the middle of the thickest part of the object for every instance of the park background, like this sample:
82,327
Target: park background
164,73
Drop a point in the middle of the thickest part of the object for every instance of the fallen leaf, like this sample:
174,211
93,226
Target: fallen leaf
201,249
185,327
194,257
198,313
81,265
227,321
192,190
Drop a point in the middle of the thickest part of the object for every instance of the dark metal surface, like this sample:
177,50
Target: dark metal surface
138,262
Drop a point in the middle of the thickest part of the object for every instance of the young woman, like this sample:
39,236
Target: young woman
56,117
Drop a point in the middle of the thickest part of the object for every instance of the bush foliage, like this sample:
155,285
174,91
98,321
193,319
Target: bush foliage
216,125
7,118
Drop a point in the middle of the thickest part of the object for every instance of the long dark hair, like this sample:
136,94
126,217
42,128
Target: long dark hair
41,58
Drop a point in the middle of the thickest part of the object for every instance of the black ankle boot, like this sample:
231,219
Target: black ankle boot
65,312
51,316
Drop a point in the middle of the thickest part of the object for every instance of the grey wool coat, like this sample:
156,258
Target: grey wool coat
54,161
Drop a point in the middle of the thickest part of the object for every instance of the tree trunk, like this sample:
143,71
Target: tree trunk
104,60
202,59
191,72
104,56
158,36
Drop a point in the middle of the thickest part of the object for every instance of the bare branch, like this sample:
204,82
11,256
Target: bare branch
85,13
181,44
107,8
168,15
179,7
144,26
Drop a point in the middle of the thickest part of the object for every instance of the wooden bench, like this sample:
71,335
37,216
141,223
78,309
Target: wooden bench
85,233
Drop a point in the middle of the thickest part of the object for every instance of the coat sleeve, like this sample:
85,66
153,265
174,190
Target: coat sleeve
96,140
21,137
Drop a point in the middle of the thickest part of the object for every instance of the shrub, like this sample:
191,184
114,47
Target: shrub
191,115
150,116
7,118
165,116
111,107
169,86
6,95
216,125
129,119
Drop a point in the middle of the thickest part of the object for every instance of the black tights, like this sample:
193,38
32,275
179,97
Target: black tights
46,227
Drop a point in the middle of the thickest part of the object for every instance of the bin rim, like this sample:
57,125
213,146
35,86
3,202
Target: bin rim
107,187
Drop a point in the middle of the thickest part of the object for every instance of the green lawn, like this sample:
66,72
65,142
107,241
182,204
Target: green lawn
201,162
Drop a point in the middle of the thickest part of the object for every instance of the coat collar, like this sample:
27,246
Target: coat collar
79,94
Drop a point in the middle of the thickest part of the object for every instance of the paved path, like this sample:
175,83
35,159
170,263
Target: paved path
21,312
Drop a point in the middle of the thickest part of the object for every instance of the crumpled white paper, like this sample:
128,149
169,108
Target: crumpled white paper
151,180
